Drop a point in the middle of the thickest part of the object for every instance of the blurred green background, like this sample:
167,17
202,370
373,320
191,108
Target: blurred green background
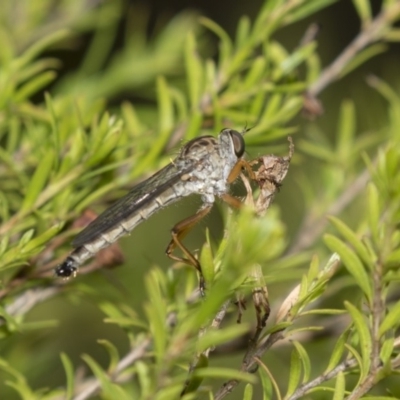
80,321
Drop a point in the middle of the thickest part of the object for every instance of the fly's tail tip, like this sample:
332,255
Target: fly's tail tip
67,269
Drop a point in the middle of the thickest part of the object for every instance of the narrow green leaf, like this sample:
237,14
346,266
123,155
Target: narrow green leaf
309,8
26,237
243,31
352,238
166,111
215,337
39,46
225,49
295,59
346,129
351,262
361,326
34,85
110,390
269,384
338,351
255,73
195,381
363,8
316,150
4,244
43,238
156,313
387,351
340,387
194,71
112,352
305,360
295,373
144,378
225,373
131,119
357,356
393,35
373,211
207,261
363,56
69,372
38,181
391,320
248,392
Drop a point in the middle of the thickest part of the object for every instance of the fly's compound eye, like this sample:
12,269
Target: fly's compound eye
238,143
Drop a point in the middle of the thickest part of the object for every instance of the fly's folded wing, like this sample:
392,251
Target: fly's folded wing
131,202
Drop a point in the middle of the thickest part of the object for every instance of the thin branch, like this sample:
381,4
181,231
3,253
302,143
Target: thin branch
370,34
306,387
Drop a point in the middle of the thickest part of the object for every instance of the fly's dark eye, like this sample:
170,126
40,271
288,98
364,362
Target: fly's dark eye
238,143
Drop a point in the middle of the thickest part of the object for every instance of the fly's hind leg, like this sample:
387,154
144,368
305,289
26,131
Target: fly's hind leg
178,232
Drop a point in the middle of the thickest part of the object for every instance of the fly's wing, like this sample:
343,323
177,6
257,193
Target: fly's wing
137,197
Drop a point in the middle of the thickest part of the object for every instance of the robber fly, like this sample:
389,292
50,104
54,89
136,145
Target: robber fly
204,166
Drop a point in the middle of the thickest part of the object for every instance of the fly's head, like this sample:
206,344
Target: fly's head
231,145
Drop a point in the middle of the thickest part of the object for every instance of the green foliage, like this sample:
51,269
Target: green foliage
67,142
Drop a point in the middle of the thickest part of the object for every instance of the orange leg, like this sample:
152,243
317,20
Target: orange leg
178,232
237,169
232,201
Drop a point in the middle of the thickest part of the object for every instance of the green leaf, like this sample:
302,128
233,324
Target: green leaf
166,111
354,241
112,352
305,360
363,56
248,392
373,211
110,389
295,59
40,45
43,238
156,311
207,261
351,262
391,320
216,337
225,45
363,8
34,85
346,129
387,352
38,181
195,381
338,351
308,8
19,383
225,373
194,71
26,237
69,371
255,73
295,373
363,334
243,31
340,387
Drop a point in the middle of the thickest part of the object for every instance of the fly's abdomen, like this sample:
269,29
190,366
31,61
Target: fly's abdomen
104,239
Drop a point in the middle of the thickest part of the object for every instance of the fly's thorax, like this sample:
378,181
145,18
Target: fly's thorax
209,161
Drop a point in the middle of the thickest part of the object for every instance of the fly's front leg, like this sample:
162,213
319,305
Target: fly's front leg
237,169
178,232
